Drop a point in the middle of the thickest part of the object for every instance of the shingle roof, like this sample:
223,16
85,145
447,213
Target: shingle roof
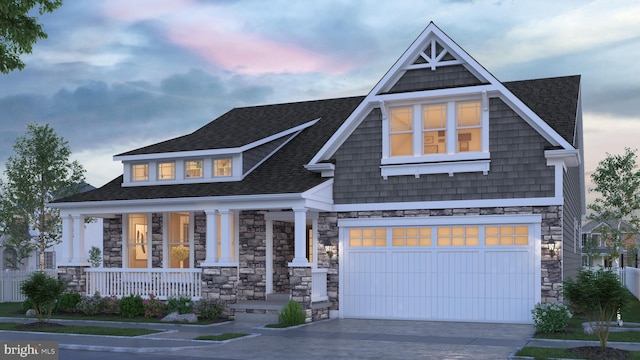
553,99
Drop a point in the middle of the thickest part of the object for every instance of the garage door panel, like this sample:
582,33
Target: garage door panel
479,283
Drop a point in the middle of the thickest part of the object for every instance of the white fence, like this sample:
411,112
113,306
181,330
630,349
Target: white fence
163,283
632,280
10,281
319,285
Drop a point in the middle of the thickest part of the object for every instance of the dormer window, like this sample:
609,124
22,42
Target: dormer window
222,167
166,170
139,172
440,137
193,169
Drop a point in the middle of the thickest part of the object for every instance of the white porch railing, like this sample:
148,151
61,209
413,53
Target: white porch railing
163,283
632,280
319,285
10,281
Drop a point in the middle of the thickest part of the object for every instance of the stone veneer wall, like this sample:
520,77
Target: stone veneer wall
156,240
220,283
328,235
300,281
253,272
112,242
199,237
75,277
551,230
283,253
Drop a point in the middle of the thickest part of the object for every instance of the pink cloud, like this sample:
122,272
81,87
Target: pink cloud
249,53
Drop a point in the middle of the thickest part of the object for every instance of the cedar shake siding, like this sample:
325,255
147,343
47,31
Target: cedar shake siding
518,167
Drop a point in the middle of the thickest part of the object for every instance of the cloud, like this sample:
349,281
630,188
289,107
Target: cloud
98,116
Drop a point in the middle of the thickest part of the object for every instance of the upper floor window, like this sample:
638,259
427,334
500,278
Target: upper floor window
193,169
440,128
221,167
166,170
437,137
140,172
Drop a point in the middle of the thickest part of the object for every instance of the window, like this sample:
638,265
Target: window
458,236
434,129
179,240
469,126
193,169
367,237
411,236
506,235
448,128
138,242
49,259
140,172
221,167
401,131
166,170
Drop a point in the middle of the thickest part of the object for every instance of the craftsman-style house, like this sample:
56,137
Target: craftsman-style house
443,194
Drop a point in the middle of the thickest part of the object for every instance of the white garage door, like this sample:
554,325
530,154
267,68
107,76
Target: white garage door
483,273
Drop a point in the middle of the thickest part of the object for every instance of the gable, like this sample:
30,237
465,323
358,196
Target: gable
435,67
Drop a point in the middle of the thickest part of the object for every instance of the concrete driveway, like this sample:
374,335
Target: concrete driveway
371,339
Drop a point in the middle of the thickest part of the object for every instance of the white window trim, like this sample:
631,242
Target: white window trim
449,163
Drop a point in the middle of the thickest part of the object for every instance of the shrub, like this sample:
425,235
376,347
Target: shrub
292,314
182,304
598,295
68,302
208,309
154,307
551,317
91,305
43,291
131,306
27,305
111,304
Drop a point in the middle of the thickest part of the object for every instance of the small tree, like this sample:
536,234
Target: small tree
42,291
39,171
598,295
617,180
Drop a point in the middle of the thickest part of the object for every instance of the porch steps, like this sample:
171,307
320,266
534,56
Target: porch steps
259,311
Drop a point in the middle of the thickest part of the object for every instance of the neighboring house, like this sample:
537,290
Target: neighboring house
596,250
443,194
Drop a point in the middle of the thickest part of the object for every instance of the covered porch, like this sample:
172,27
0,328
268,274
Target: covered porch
227,252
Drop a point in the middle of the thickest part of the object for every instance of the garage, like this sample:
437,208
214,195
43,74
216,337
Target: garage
450,272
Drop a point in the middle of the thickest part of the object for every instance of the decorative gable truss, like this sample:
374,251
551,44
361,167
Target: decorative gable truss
435,114
203,166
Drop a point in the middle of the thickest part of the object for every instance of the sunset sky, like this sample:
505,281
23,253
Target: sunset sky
120,74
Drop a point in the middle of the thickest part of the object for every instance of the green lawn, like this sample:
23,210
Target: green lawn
558,353
87,330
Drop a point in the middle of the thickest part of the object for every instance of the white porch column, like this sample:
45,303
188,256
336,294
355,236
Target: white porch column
300,238
67,238
211,246
225,236
79,256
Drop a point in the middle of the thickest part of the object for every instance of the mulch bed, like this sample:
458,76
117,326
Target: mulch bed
598,353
